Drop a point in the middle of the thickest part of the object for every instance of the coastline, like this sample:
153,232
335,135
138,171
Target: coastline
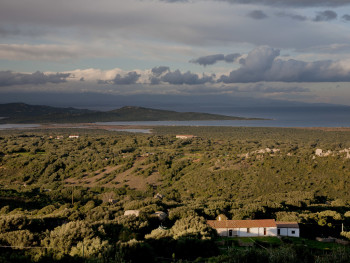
134,127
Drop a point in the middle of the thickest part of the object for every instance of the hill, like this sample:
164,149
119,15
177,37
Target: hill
24,113
61,195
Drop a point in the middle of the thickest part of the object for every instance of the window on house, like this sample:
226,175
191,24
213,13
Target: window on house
264,231
278,231
248,230
230,233
293,231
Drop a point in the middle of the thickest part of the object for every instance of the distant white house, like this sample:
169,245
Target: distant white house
158,196
185,136
253,228
73,136
132,213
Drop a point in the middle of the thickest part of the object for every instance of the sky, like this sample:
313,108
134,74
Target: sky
263,50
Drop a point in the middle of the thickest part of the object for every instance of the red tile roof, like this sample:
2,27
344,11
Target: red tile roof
242,223
281,224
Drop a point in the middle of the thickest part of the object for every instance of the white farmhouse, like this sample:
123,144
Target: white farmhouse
254,228
244,228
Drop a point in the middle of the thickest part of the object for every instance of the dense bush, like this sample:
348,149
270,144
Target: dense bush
67,197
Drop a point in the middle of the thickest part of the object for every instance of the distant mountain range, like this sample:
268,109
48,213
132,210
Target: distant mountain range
24,113
100,101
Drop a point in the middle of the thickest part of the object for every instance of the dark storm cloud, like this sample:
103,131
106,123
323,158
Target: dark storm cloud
178,78
262,64
208,60
257,14
346,17
157,71
325,16
154,80
292,16
292,3
232,57
9,78
128,79
212,59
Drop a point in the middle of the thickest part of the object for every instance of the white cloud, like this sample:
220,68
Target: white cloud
9,78
93,75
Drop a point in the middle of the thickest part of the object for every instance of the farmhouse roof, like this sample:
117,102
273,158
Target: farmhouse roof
281,224
242,223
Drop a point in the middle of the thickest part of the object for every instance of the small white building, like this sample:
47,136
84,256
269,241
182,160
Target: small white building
132,213
73,136
288,229
158,196
244,228
185,136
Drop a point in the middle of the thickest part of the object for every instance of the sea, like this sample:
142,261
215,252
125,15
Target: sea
301,116
310,116
10,126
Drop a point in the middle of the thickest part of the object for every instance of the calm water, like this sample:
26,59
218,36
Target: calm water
18,126
315,116
132,130
320,116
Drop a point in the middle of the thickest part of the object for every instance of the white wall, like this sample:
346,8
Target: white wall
242,232
288,232
270,231
223,232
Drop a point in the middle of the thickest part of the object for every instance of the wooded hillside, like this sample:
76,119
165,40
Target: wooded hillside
68,195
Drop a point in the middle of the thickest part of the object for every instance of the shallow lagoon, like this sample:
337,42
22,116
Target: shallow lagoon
315,116
18,126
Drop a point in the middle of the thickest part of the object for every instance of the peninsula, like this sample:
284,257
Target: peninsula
24,113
